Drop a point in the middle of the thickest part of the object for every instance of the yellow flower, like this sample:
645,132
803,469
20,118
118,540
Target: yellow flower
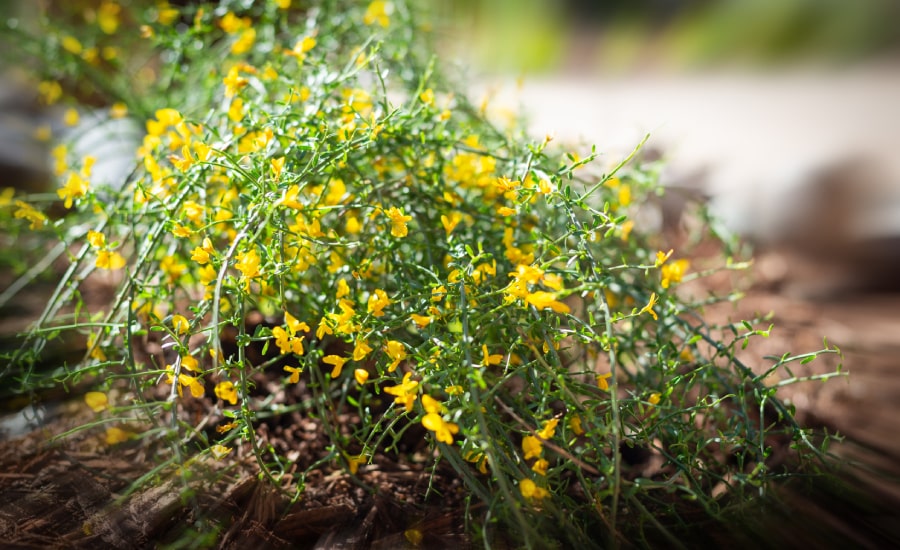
661,257
488,359
107,259
181,231
323,328
540,466
437,294
207,275
172,267
575,425
248,264
450,222
421,321
219,451
283,4
294,326
673,272
165,13
504,185
290,197
230,23
236,110
193,384
90,55
286,342
542,299
118,110
553,281
361,375
95,351
396,352
361,350
654,398
295,374
343,289
226,392
649,307
378,12
479,459
427,97
527,273
226,427
624,195
532,446
70,117
431,405
71,45
184,162
337,189
190,363
244,42
96,239
398,221
443,431
75,187
530,490
354,462
202,253
50,91
180,324
353,225
59,155
302,46
234,81
116,435
337,363
377,302
549,429
405,392
88,165
26,211
603,381
277,166
193,211
96,400
6,196
108,17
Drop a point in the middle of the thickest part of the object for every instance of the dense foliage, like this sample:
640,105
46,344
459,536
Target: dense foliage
411,265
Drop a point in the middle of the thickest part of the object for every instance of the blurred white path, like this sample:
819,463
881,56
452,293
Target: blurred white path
763,140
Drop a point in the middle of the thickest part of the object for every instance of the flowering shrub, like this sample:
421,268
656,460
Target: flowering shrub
405,260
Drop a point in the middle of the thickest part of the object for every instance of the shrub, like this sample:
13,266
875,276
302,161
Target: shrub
315,203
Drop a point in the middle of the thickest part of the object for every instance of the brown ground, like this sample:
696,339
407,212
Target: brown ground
71,492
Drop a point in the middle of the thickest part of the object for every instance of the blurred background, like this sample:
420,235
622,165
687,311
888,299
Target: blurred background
784,112
549,36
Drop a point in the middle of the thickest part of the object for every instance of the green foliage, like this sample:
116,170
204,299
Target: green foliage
411,266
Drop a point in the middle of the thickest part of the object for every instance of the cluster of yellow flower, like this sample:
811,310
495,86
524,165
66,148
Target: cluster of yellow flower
533,447
106,258
252,224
